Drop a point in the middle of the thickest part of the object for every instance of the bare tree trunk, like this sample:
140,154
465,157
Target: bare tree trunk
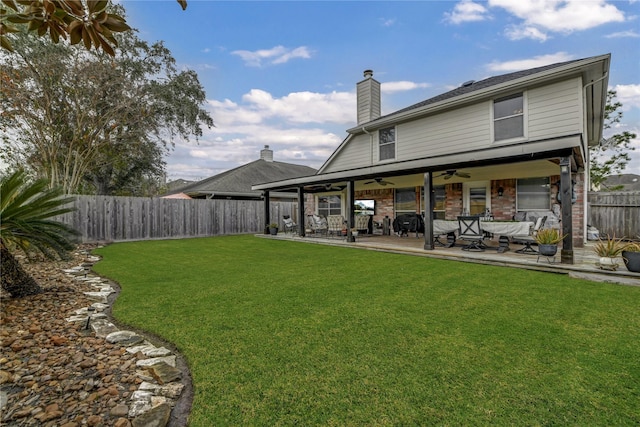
14,279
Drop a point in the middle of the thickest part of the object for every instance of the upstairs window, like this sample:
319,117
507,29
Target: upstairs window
387,138
508,117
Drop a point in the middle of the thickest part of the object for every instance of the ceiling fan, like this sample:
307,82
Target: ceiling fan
379,181
328,187
451,172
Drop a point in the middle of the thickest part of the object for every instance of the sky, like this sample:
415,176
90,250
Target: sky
283,73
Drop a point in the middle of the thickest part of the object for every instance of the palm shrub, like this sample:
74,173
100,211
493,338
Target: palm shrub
26,209
610,247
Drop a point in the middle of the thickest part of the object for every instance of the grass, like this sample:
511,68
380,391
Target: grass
282,333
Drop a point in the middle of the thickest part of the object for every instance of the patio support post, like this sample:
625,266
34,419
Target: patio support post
267,212
566,254
428,211
301,217
351,196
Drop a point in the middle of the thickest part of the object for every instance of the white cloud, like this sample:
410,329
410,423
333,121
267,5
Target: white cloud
401,86
305,107
286,124
628,95
623,35
514,32
467,11
387,22
523,64
275,55
560,16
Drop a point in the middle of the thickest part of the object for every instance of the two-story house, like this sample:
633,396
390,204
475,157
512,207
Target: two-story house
510,144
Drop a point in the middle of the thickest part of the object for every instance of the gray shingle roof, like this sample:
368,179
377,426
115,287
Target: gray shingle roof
240,179
482,84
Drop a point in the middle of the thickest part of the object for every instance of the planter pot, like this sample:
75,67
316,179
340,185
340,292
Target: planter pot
631,260
547,250
354,233
608,263
273,231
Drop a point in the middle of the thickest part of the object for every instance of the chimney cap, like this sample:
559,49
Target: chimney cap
368,74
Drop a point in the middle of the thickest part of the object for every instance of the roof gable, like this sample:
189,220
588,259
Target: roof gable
240,179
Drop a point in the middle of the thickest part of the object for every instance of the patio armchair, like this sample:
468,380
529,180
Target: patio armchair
335,225
289,225
362,223
527,241
470,231
317,224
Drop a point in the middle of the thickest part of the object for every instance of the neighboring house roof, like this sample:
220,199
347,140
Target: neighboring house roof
176,185
176,196
628,181
236,183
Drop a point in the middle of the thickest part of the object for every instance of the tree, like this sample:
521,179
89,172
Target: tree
82,20
26,212
612,156
93,123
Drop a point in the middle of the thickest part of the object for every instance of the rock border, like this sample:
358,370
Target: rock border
163,380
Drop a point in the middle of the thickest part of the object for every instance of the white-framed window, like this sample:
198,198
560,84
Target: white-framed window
508,117
387,143
533,194
329,205
476,197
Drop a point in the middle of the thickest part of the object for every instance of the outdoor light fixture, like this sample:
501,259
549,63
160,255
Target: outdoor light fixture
500,191
564,168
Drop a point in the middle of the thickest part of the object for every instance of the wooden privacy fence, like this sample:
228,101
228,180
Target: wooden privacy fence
112,219
615,213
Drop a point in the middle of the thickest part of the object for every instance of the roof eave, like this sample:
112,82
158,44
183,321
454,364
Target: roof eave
471,97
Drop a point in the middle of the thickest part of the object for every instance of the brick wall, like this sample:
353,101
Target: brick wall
383,199
453,203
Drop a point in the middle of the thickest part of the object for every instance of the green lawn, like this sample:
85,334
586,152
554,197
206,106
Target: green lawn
282,333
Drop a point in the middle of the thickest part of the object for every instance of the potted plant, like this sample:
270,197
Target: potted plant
273,228
608,251
631,256
547,240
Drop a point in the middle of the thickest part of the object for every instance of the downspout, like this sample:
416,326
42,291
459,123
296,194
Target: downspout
587,178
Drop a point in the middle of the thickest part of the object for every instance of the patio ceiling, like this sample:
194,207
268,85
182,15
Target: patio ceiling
534,168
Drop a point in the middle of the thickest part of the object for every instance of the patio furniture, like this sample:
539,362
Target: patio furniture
505,229
405,223
443,227
335,225
470,230
362,223
528,240
317,225
289,225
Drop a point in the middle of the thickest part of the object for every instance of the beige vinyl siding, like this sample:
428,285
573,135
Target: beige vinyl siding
357,153
550,111
555,110
454,131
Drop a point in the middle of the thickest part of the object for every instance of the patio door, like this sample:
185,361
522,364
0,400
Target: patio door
476,197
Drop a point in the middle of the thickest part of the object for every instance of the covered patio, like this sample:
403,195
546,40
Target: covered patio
513,147
584,266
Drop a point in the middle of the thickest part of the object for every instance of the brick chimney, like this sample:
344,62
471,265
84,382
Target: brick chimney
266,154
368,92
